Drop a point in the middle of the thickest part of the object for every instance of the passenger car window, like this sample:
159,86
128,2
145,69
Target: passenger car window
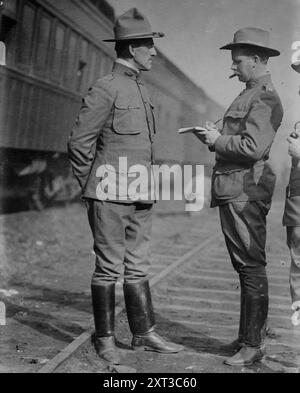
25,35
42,48
57,51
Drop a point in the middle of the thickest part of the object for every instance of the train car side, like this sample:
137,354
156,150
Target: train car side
53,53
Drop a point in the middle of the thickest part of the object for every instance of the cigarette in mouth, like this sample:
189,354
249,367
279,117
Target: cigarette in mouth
232,76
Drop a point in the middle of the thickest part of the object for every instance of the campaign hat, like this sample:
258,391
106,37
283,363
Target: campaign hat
254,37
133,25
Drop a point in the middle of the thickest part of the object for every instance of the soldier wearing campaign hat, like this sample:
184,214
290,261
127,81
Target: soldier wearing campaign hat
243,182
117,121
255,38
291,216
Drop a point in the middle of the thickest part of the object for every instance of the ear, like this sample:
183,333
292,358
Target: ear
131,50
256,59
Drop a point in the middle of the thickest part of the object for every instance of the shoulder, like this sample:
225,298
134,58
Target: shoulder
114,82
104,82
267,95
103,86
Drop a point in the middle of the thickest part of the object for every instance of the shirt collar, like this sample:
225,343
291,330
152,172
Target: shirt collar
128,65
264,79
128,72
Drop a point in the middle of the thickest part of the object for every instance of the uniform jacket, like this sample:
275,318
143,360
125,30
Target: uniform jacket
116,121
241,172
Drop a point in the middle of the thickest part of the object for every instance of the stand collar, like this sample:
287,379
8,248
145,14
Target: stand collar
264,79
124,68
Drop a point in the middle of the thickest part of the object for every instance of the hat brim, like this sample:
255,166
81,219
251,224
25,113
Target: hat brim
269,51
136,37
296,67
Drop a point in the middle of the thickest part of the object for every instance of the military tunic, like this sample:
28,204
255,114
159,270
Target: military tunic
242,172
116,121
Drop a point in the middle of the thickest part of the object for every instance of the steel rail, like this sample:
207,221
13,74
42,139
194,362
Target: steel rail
66,352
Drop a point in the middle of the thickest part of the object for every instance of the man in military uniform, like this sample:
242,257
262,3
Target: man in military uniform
243,182
291,218
116,126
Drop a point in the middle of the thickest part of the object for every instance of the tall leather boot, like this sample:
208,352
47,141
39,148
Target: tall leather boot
141,320
253,348
103,299
237,344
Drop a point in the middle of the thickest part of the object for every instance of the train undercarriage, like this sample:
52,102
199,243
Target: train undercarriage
35,180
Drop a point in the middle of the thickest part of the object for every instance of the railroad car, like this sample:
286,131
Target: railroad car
51,52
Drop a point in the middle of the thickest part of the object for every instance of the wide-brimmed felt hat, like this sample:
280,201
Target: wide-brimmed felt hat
133,25
296,66
252,36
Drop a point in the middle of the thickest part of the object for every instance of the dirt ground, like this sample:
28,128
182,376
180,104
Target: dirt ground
196,323
46,265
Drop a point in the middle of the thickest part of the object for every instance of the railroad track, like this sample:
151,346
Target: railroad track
196,299
167,258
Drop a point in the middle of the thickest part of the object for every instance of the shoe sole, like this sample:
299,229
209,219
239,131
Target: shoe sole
109,361
243,364
103,357
149,349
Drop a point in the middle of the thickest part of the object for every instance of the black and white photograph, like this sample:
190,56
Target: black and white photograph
149,189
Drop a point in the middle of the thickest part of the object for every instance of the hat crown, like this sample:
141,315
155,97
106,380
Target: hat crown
131,23
252,36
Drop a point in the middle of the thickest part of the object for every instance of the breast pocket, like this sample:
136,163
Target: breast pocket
127,118
235,120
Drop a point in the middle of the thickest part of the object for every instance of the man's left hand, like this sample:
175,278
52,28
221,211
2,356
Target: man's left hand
294,147
210,136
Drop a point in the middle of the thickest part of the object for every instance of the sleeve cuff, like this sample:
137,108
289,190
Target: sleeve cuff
221,142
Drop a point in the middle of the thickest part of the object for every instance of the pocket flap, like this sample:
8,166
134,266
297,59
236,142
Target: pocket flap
127,117
228,171
236,114
123,105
